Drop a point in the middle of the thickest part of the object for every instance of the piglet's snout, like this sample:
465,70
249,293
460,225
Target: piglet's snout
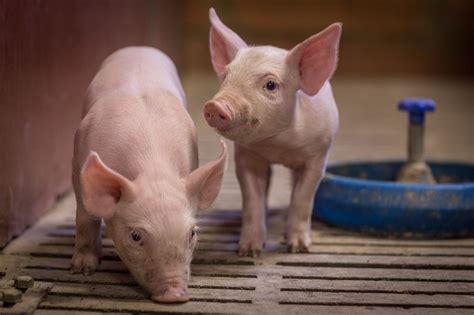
217,115
172,295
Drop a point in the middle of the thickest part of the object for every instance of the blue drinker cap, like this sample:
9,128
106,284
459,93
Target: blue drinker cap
417,108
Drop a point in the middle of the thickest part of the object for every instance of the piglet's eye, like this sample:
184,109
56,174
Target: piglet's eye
193,232
136,236
271,85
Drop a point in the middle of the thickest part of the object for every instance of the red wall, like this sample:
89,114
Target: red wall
49,52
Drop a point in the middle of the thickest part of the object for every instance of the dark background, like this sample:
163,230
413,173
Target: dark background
425,37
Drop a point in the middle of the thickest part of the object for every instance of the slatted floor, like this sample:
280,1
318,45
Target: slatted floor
344,273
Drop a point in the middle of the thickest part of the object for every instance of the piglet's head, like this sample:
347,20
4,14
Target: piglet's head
258,90
151,220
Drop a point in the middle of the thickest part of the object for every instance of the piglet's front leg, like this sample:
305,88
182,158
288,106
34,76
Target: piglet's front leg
306,182
253,175
88,242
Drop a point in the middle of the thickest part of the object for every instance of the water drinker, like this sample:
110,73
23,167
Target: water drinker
408,199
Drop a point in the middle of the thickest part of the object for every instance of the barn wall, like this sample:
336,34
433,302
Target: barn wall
389,37
49,52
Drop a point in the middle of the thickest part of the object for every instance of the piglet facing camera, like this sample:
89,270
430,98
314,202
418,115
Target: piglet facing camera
135,166
277,106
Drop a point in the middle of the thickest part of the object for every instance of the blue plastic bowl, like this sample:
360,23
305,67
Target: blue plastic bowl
363,196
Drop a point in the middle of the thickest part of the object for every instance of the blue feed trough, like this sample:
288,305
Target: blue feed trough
410,199
364,196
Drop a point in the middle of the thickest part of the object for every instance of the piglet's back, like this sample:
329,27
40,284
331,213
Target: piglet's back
134,69
135,116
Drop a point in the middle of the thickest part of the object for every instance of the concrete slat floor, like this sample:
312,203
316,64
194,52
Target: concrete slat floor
344,273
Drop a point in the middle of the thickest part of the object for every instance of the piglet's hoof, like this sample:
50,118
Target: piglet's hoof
298,242
84,263
252,241
251,246
250,249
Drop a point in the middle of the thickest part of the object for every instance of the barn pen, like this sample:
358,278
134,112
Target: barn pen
49,51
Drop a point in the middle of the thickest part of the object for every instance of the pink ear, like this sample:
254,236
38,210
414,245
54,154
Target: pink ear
316,58
101,187
223,42
204,183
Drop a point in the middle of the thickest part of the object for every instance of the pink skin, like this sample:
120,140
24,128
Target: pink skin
135,165
277,106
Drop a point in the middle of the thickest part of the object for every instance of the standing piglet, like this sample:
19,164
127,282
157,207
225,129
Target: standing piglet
277,106
135,166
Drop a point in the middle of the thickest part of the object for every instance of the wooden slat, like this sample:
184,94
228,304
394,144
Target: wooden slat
373,310
383,249
63,276
369,241
377,286
378,299
301,309
136,306
48,263
320,260
378,274
284,271
244,282
135,292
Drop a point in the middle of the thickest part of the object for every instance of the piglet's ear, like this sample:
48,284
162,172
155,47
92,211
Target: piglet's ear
316,58
224,44
204,183
102,188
